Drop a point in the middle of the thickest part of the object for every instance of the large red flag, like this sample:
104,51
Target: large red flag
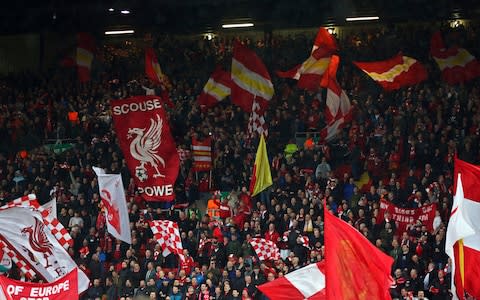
457,64
394,73
355,268
144,135
250,78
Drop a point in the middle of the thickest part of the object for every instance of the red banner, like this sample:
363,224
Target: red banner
406,216
64,288
202,154
144,136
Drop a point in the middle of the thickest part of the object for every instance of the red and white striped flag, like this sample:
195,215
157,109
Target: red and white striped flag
168,236
202,154
305,283
265,250
217,88
256,123
463,231
339,110
114,203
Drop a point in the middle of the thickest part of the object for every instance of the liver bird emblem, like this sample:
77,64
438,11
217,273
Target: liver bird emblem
38,241
144,147
113,215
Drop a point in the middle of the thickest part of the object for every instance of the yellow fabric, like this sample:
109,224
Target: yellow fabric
251,81
461,260
462,58
216,89
84,57
364,179
314,66
263,176
393,72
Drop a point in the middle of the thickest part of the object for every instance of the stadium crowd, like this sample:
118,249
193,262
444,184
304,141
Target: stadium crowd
405,141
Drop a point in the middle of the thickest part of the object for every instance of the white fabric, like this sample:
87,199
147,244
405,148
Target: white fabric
308,280
464,224
51,207
111,191
53,261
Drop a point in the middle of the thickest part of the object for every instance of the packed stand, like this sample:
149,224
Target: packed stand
405,141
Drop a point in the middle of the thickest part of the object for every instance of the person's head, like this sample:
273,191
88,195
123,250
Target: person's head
421,295
175,289
235,293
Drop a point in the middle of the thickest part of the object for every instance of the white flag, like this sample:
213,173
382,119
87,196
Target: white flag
115,204
51,207
24,232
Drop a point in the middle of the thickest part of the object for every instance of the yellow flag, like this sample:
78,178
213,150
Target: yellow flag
261,177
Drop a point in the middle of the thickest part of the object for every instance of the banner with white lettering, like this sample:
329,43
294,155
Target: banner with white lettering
406,216
24,232
144,135
64,288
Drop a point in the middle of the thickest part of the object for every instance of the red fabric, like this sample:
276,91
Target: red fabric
283,289
464,67
187,264
202,158
153,70
250,60
404,75
325,40
85,42
355,268
406,216
272,236
63,288
143,131
471,271
219,76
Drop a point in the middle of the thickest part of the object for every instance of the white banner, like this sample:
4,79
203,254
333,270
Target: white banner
23,231
115,204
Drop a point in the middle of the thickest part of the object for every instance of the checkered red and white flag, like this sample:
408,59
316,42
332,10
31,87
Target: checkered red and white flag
256,122
265,250
168,236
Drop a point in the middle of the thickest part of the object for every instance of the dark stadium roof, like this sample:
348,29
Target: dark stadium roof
196,16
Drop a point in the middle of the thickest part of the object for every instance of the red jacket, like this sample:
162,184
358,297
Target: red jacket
272,236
